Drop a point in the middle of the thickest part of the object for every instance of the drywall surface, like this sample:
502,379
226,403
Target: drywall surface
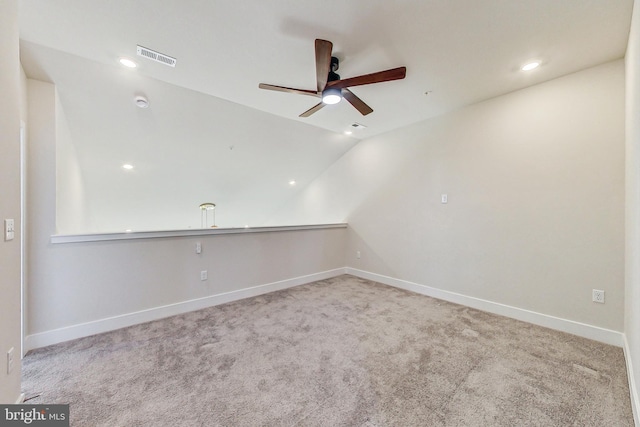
71,206
632,295
77,283
535,211
9,199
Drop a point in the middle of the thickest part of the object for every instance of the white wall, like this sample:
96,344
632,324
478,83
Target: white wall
77,283
632,248
71,206
535,217
9,198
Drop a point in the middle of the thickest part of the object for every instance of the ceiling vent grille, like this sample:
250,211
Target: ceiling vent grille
156,56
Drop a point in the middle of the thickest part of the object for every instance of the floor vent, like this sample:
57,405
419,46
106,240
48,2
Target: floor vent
156,56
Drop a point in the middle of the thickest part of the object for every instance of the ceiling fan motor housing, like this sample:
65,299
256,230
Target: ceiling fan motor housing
335,64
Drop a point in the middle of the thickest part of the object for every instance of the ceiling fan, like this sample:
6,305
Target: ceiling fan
331,88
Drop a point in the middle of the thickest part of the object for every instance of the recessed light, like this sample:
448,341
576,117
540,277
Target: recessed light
348,132
292,182
530,66
127,166
127,63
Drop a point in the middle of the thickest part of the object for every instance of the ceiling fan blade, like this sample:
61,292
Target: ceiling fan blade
323,62
289,90
356,102
312,110
380,76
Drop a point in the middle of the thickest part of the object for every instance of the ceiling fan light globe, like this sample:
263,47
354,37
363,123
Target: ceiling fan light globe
331,96
331,99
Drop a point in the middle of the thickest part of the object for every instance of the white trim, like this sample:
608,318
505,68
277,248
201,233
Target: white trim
55,336
635,400
23,234
20,399
596,333
75,238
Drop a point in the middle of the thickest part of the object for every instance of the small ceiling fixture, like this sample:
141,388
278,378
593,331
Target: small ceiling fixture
141,101
331,96
205,208
292,182
127,63
530,66
127,166
348,132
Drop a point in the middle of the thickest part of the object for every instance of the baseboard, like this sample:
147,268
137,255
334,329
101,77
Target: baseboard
20,399
55,336
595,333
635,401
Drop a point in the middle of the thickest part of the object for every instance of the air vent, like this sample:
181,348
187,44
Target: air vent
156,56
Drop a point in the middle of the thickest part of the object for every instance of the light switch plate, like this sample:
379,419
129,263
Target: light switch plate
9,232
10,361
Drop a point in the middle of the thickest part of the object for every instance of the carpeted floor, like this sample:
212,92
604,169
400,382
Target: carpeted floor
338,352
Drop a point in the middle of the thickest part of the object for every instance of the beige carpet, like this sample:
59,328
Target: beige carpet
339,352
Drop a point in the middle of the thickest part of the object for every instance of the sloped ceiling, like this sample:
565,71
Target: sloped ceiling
212,135
463,51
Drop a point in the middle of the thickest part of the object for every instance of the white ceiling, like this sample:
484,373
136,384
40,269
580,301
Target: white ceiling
212,135
464,51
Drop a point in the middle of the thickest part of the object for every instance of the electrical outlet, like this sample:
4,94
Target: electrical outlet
598,296
10,361
203,275
198,248
444,198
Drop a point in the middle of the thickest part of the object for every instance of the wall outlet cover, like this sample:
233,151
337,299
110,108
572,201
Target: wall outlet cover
598,296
